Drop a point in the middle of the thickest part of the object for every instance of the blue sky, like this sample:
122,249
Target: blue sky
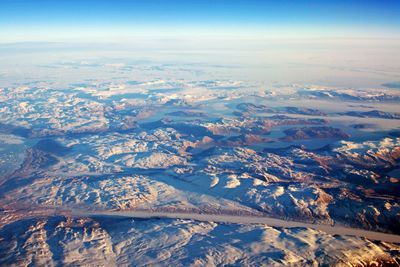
45,20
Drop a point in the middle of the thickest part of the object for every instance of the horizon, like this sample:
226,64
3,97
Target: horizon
199,133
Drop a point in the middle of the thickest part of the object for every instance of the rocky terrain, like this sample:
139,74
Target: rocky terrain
125,242
313,154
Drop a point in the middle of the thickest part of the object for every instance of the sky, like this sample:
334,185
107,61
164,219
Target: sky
72,20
